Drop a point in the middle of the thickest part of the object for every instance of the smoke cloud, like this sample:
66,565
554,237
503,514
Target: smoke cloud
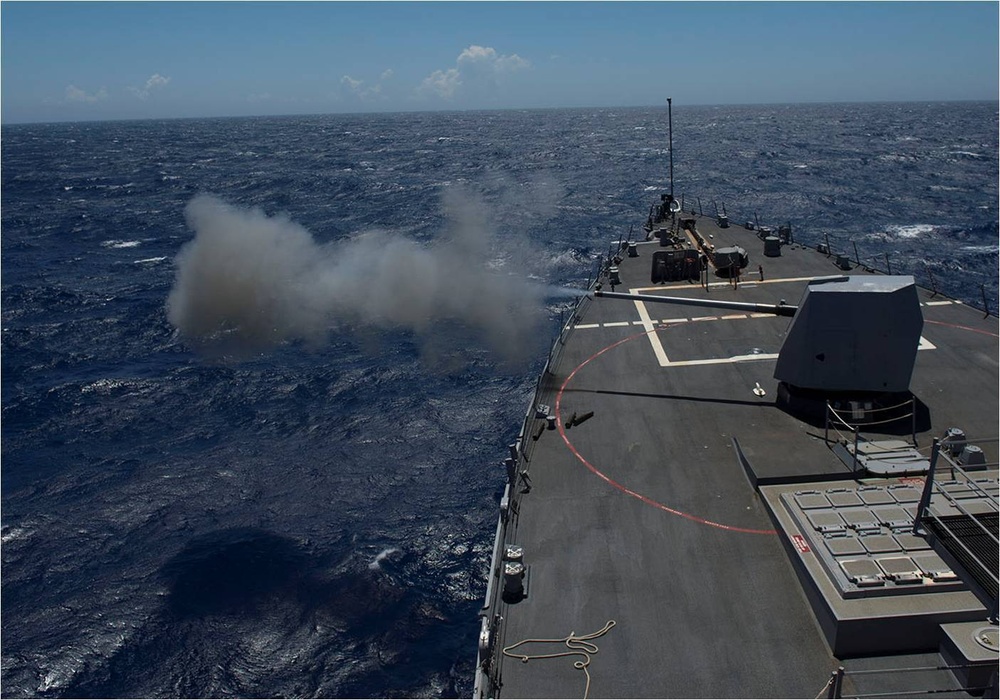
248,282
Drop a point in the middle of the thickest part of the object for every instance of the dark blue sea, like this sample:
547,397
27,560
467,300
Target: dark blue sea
284,482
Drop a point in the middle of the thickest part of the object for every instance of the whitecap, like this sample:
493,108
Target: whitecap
14,533
121,244
150,260
376,563
910,231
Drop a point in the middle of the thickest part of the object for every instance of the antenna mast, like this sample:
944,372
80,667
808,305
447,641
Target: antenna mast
670,131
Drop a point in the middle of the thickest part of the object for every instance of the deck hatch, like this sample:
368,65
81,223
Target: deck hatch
880,544
843,498
861,520
900,570
844,546
875,496
893,517
827,522
905,494
910,542
934,567
862,572
807,500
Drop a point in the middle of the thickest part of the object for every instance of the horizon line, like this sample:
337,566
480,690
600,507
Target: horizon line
492,109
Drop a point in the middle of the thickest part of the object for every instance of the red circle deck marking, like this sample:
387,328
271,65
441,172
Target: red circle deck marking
624,489
964,328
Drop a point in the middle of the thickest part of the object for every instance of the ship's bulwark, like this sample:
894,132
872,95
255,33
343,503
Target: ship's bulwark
318,520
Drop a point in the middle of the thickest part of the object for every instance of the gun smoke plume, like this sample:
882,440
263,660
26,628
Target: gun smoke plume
248,282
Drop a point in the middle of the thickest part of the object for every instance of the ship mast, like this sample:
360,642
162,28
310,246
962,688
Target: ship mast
670,132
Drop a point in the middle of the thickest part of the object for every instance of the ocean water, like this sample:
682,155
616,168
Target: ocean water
188,514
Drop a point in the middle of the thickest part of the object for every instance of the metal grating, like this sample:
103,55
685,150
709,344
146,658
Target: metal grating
973,531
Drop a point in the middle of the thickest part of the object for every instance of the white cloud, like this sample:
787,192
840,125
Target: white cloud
155,81
441,83
476,68
351,84
487,56
356,88
75,94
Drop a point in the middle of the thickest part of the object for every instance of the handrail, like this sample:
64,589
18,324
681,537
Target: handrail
855,427
926,514
487,680
871,263
834,685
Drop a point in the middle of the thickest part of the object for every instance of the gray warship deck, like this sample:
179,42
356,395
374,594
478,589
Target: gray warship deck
671,510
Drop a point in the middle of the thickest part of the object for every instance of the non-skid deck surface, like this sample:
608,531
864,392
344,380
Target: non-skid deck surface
643,515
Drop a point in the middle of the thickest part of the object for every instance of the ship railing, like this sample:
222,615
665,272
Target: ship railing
881,263
835,685
977,537
870,418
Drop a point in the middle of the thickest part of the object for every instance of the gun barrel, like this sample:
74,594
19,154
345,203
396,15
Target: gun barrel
775,309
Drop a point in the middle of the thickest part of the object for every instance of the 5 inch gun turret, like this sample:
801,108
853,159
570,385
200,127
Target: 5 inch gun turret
849,334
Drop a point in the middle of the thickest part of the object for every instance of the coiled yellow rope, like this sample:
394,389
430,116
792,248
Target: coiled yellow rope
578,646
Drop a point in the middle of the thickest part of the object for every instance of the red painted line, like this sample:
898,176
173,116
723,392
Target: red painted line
612,482
964,328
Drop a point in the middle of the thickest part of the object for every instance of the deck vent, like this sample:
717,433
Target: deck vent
613,277
843,262
953,441
633,249
972,457
723,221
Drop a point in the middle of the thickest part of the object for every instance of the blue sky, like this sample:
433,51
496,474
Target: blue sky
125,60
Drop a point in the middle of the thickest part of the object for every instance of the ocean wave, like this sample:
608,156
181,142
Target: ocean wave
376,563
909,230
390,471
